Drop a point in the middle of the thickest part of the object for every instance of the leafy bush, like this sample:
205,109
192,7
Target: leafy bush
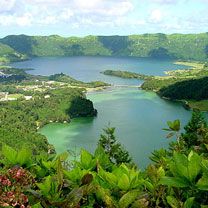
178,177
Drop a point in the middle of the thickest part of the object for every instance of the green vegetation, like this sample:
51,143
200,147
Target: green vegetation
9,76
8,54
195,89
20,119
32,175
28,102
175,46
116,152
177,178
197,71
127,75
201,105
67,79
189,86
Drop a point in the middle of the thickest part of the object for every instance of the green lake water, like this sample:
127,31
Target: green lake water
138,116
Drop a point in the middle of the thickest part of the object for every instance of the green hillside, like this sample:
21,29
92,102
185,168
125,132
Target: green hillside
9,54
177,46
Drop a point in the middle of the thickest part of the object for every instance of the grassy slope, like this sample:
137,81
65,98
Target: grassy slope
8,54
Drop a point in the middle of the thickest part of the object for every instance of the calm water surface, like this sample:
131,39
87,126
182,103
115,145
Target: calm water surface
89,68
138,116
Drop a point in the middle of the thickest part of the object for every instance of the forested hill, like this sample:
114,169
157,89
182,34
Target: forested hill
195,89
178,46
9,54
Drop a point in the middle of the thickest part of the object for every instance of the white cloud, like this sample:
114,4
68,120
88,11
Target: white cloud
156,16
58,11
6,5
66,14
83,4
46,2
24,20
164,1
148,15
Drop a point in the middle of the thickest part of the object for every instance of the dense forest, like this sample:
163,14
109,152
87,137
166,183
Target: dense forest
175,46
176,178
196,89
20,119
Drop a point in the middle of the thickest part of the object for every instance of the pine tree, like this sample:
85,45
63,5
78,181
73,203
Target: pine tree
113,148
192,133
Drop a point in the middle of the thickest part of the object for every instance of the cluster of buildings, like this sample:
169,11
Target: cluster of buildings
3,75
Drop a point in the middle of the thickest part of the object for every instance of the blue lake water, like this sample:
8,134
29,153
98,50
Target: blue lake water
138,116
89,68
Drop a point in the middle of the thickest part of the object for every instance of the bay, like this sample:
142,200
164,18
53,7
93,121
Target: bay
138,116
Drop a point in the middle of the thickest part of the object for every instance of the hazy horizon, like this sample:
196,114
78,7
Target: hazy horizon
82,36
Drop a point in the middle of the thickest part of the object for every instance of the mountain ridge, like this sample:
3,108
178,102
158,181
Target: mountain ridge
158,45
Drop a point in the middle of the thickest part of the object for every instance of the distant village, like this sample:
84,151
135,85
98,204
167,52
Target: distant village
3,75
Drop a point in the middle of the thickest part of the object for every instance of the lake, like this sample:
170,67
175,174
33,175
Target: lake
138,116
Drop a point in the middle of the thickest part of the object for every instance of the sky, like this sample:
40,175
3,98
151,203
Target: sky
102,17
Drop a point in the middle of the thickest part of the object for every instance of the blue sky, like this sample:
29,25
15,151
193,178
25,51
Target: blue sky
102,17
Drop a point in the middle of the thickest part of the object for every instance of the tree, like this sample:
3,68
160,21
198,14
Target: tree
192,133
113,148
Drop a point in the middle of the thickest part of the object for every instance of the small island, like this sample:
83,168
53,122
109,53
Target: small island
178,85
127,74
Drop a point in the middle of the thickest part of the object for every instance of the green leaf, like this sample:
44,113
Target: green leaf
181,165
10,154
87,160
74,197
194,165
37,206
170,124
174,182
105,196
160,172
110,178
102,157
149,186
189,203
173,202
123,182
128,198
174,126
204,165
24,157
45,187
203,182
75,174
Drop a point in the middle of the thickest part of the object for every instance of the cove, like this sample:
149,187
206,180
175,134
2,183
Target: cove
138,116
